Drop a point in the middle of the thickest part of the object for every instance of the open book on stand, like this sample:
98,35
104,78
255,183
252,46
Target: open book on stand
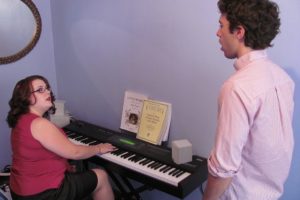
155,121
132,110
149,119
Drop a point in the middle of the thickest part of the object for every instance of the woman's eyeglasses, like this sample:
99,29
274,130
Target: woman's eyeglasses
42,90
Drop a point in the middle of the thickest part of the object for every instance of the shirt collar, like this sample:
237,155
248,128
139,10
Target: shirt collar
248,58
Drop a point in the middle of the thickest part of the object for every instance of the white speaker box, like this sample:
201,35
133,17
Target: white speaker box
60,107
181,151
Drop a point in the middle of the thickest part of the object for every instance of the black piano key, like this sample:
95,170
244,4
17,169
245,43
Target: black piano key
141,161
167,169
150,165
73,136
147,161
118,152
95,143
155,164
78,138
135,158
89,140
172,171
82,139
175,172
138,159
163,168
126,155
131,156
182,172
158,166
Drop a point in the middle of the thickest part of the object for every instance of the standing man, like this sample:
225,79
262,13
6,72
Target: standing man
254,142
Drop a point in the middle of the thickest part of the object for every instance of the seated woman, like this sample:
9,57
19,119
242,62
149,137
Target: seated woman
40,168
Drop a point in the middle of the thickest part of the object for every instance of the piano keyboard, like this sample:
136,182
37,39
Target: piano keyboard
155,169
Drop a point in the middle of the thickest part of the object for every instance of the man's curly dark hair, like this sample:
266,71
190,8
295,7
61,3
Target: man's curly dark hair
260,19
20,100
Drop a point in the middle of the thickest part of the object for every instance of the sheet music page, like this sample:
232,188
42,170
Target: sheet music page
153,119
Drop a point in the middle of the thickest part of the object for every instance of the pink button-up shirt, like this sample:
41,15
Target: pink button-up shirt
254,140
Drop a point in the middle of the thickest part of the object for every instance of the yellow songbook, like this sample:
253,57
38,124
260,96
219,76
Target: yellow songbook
154,121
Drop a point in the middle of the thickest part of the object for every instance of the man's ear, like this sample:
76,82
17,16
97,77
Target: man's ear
240,32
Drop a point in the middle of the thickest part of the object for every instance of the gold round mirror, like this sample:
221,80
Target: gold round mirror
20,29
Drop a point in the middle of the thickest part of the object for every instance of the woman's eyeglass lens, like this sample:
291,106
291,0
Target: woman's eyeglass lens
41,90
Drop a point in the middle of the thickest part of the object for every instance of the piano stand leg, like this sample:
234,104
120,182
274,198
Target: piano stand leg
117,182
133,191
123,185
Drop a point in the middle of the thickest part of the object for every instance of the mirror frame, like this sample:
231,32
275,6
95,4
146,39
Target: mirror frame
21,53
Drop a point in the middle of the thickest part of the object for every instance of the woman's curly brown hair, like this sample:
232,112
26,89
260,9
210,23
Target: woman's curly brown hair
260,19
20,100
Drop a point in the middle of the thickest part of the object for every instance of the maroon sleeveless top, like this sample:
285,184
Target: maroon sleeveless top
34,168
